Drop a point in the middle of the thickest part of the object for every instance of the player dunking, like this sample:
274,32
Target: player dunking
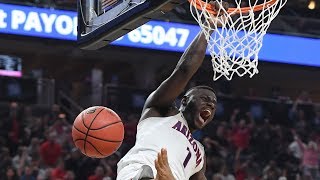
162,125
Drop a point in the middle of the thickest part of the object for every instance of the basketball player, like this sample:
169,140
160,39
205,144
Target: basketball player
162,125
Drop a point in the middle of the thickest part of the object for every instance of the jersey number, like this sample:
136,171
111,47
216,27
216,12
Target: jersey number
187,159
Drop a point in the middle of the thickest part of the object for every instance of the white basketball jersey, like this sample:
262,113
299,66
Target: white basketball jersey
185,154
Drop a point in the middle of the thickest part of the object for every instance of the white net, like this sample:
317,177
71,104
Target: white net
234,47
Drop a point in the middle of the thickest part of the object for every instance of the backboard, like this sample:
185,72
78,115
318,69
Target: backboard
102,21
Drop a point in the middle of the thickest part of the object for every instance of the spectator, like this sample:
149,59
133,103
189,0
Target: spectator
87,167
223,174
301,123
13,123
217,143
69,176
264,142
59,172
310,158
21,160
37,128
34,147
54,114
304,98
98,174
240,166
44,174
110,165
27,116
288,164
11,174
35,167
6,160
271,171
296,150
241,134
63,128
27,174
73,162
50,150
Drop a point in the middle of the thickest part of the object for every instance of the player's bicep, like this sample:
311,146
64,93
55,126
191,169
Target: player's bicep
169,90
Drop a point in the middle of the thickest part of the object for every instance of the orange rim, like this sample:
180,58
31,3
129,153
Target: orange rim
209,8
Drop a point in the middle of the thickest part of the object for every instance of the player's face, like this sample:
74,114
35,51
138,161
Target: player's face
199,107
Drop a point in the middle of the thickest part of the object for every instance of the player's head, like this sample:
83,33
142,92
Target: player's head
198,106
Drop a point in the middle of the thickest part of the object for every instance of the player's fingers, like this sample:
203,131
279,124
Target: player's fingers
164,156
158,168
220,8
225,5
163,161
161,164
156,163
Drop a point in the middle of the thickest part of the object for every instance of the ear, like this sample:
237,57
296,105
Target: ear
184,100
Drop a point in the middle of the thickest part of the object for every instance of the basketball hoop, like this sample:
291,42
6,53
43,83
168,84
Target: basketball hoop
234,47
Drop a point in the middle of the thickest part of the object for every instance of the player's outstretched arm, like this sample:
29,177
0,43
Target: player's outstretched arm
189,63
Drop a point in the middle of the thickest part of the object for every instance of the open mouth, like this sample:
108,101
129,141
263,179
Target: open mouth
205,114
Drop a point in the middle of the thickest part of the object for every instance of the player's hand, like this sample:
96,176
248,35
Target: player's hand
163,169
219,18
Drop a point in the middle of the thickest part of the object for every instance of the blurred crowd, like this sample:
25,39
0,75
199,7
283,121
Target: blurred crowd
36,143
249,139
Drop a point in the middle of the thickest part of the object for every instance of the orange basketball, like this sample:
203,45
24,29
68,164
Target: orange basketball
98,132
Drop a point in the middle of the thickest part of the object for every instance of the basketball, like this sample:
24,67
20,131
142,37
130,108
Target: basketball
98,132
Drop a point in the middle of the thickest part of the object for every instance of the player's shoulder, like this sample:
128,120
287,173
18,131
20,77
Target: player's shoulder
158,112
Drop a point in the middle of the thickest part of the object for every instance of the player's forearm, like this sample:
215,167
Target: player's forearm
193,56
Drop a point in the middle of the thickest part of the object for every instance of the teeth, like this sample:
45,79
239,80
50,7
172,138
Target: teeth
206,112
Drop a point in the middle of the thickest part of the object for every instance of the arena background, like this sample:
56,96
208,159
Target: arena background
259,127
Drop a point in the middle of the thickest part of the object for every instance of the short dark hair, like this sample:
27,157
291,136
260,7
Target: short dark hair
202,87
